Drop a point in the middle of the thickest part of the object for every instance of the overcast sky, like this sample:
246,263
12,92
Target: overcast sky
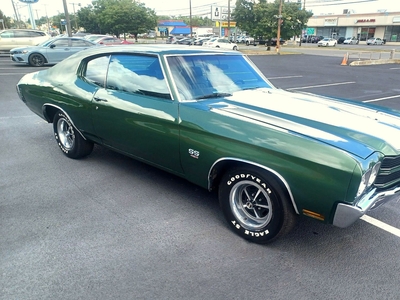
199,7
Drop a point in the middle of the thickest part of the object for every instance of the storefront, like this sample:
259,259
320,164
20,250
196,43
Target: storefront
362,26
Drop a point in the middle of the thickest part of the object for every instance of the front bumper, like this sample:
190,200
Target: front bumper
346,214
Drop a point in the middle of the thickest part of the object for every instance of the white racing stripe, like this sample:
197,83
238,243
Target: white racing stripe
321,85
393,230
380,99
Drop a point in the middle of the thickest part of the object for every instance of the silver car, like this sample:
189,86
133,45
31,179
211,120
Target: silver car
375,41
50,52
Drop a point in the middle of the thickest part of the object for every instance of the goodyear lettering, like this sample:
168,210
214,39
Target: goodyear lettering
248,176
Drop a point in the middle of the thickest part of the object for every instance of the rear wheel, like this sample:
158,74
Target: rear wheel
255,206
234,48
71,143
36,60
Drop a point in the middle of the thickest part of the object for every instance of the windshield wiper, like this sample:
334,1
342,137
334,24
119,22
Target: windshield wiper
213,95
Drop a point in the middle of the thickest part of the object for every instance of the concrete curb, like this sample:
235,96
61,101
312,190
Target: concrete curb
374,62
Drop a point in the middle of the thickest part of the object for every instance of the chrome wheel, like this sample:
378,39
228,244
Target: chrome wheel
250,205
66,134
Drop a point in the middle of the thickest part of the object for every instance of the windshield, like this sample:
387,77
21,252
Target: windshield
204,76
46,43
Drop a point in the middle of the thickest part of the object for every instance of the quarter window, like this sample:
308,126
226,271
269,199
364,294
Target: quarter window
96,70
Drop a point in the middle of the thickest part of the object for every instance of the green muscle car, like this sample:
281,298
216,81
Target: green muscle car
211,117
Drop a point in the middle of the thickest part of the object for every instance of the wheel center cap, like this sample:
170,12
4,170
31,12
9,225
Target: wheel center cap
249,205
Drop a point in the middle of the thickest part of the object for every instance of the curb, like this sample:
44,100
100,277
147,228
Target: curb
374,62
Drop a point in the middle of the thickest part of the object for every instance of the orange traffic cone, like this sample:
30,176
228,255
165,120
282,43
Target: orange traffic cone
344,61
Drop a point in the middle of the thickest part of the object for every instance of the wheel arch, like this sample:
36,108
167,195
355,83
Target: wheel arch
222,165
50,110
45,58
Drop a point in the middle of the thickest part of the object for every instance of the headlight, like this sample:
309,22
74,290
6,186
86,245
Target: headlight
25,51
368,178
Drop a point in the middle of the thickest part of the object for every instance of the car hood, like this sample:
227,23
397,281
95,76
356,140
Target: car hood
30,49
353,127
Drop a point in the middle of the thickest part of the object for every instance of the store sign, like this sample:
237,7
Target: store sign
220,13
365,21
330,22
396,20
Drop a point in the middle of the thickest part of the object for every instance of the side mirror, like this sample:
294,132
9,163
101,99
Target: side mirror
52,46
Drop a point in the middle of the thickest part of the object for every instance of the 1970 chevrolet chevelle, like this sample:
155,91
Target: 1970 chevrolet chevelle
210,116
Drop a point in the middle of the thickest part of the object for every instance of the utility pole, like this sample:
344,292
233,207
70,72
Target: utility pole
15,12
69,32
190,19
229,19
278,38
76,22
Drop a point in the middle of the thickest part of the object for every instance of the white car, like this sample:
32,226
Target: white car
351,40
12,38
327,42
375,41
222,43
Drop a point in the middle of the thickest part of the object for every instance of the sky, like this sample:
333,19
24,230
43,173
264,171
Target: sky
201,7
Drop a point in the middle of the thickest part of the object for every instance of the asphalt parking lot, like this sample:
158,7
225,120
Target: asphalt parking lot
109,227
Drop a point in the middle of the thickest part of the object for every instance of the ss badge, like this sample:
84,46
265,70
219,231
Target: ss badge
194,153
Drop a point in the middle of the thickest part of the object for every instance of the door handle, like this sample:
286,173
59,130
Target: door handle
99,99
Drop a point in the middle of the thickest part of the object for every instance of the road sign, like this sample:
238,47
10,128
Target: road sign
29,1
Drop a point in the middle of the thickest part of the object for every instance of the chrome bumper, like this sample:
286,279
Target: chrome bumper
346,214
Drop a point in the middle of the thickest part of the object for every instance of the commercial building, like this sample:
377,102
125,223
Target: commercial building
382,25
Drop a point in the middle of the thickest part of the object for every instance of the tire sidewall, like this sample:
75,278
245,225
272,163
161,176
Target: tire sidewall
68,152
32,56
266,233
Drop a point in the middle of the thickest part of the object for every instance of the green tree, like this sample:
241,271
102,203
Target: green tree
7,21
261,19
123,16
88,20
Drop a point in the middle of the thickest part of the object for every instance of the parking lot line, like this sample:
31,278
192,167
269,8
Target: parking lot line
320,85
393,230
380,99
286,77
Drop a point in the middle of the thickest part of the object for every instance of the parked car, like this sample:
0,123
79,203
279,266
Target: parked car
273,42
212,118
222,43
93,37
327,42
316,39
110,40
341,40
49,52
12,38
351,40
375,41
186,41
200,41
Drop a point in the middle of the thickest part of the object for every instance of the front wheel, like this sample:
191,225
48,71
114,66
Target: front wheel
255,206
36,60
71,143
234,48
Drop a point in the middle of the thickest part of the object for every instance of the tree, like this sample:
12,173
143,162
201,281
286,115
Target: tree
6,21
123,16
261,19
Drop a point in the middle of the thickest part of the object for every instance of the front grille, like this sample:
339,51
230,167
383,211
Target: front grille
389,172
